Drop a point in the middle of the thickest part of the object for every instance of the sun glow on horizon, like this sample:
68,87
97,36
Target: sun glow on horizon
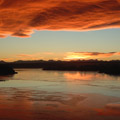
90,55
75,57
63,56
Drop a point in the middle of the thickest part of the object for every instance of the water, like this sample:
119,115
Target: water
34,94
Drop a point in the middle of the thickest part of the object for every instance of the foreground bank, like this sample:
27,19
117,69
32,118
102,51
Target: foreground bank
6,69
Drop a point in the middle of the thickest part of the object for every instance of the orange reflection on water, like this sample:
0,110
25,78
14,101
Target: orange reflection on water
21,104
110,110
14,106
88,76
80,76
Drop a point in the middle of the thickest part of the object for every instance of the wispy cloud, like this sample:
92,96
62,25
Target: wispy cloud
64,56
25,55
33,56
90,55
20,17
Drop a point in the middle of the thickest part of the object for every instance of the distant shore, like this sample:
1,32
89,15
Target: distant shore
108,67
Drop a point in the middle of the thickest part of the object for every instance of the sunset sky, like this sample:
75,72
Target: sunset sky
59,29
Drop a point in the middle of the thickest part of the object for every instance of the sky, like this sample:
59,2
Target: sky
59,30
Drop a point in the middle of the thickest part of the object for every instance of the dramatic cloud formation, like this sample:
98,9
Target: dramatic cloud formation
21,17
89,55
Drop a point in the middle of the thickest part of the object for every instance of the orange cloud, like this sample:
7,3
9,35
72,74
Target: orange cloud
34,56
7,59
25,55
90,55
20,17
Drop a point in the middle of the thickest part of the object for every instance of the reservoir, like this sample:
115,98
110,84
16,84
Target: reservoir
34,94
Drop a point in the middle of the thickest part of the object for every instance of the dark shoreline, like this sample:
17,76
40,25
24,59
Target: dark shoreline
6,69
107,67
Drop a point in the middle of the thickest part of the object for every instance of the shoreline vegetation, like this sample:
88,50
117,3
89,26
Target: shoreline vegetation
108,67
6,69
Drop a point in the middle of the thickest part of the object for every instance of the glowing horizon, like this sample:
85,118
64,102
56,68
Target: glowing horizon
65,57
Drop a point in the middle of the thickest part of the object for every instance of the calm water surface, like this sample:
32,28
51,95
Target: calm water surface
34,94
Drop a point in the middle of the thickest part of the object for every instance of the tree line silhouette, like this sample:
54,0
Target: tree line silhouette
108,67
